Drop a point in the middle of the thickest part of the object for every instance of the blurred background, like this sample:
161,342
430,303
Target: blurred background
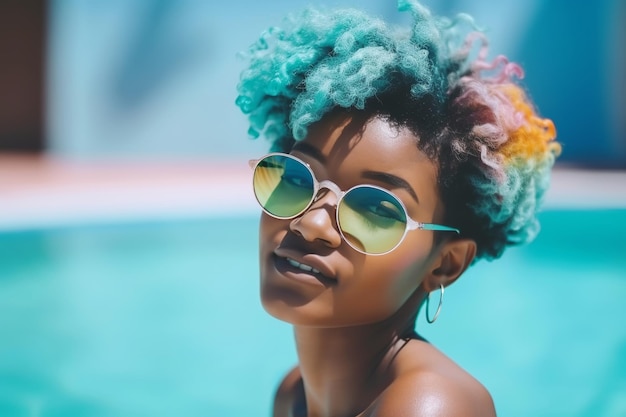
128,232
156,78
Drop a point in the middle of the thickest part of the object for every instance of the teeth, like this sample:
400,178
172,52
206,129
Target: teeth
303,267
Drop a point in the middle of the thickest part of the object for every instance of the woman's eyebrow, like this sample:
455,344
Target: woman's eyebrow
392,180
310,150
389,179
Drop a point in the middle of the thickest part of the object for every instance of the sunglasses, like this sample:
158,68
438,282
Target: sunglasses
371,219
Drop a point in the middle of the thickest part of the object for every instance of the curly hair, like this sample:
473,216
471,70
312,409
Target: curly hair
494,152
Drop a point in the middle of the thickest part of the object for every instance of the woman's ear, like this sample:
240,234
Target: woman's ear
454,258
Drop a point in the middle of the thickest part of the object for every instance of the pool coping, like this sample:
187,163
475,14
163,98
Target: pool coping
40,191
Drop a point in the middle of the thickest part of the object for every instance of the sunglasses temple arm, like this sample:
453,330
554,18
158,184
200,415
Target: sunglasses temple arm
439,228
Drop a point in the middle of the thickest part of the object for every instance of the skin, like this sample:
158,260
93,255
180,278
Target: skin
353,326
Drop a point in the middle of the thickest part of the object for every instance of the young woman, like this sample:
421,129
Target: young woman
397,161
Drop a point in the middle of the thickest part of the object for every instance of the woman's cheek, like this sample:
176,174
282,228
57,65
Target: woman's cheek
413,263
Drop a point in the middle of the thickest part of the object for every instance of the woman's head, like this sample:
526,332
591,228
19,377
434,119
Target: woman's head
318,244
492,152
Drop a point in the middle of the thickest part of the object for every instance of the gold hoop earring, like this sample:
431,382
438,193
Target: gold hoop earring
428,319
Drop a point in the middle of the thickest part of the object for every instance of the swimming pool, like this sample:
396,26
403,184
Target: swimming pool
162,318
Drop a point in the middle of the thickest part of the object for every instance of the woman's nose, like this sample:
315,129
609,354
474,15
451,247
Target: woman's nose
318,223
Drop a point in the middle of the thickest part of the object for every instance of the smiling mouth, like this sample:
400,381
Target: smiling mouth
302,271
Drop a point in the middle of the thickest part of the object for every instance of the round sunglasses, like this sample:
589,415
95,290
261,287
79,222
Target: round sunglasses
371,219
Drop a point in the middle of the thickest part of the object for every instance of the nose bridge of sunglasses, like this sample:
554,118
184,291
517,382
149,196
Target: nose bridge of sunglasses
329,186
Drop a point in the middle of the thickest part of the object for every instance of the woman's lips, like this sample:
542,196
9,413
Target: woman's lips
306,267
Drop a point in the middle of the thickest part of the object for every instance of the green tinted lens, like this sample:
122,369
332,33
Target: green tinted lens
371,219
283,186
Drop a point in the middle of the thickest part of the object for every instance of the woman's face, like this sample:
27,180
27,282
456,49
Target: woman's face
352,288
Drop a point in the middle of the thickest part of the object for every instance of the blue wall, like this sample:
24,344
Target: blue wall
156,78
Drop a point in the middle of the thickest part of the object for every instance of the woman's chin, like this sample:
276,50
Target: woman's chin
295,310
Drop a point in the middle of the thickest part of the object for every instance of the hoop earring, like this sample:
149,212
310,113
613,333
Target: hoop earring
428,319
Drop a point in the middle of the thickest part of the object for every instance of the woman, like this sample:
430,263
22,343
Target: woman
397,161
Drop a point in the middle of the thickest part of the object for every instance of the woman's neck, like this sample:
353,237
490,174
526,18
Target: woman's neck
345,368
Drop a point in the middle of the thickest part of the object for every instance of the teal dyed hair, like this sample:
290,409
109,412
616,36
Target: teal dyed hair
494,153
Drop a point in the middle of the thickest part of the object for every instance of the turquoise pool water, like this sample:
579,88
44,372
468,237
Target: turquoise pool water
163,319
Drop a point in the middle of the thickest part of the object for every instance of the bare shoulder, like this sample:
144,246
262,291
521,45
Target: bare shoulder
432,395
289,400
429,384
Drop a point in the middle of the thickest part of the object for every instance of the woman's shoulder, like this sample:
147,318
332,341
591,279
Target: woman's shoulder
428,383
425,383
